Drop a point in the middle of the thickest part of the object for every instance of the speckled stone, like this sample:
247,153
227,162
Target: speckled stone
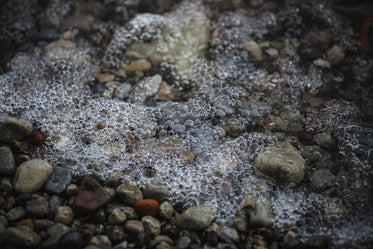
16,213
21,236
7,163
64,215
195,218
129,194
58,181
38,206
14,128
151,225
166,210
117,217
31,175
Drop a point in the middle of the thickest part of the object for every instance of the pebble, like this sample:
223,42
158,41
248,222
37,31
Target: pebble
164,238
64,215
322,63
7,163
262,215
325,140
146,207
73,240
129,194
164,245
54,203
247,203
231,233
14,129
21,236
156,191
122,91
241,223
31,175
195,218
38,206
134,227
72,190
281,164
151,225
253,48
186,155
335,55
26,222
139,65
115,233
290,240
130,213
6,185
58,181
91,196
16,213
166,210
116,217
322,179
184,242
104,77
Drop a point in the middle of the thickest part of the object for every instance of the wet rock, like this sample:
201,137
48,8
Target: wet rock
54,203
325,140
7,163
146,207
130,213
151,225
335,55
145,88
14,129
104,77
122,91
186,155
142,240
322,179
38,206
6,185
167,93
16,214
139,65
166,210
115,233
160,238
31,175
322,63
184,242
231,233
73,240
21,236
262,215
318,242
164,245
156,191
9,203
116,217
253,48
195,218
290,240
281,164
241,223
212,238
64,215
129,194
58,181
91,196
247,203
134,227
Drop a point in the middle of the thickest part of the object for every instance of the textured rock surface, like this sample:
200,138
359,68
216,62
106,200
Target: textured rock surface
281,164
195,218
7,163
31,175
13,128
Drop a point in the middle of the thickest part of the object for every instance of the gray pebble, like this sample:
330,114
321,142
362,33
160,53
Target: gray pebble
134,227
64,215
151,225
129,194
72,189
130,213
117,217
195,218
38,206
166,210
58,181
16,213
7,163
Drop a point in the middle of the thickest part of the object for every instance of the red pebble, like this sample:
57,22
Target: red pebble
146,207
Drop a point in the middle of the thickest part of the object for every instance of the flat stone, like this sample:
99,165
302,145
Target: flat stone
38,206
146,207
129,194
117,217
21,236
14,129
151,225
281,164
195,218
58,181
16,213
91,196
139,65
262,215
64,215
31,175
134,227
7,163
166,210
253,48
156,191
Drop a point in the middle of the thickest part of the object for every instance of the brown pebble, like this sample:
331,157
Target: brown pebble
146,207
101,125
26,222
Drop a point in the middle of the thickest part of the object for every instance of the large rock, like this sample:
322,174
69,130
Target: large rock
31,175
13,128
7,163
195,218
21,236
281,164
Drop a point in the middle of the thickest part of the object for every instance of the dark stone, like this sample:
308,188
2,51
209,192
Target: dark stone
212,238
142,240
7,163
52,242
91,196
274,245
21,236
73,240
38,206
318,242
248,245
115,233
16,213
54,203
184,243
9,203
42,224
22,198
13,129
58,181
